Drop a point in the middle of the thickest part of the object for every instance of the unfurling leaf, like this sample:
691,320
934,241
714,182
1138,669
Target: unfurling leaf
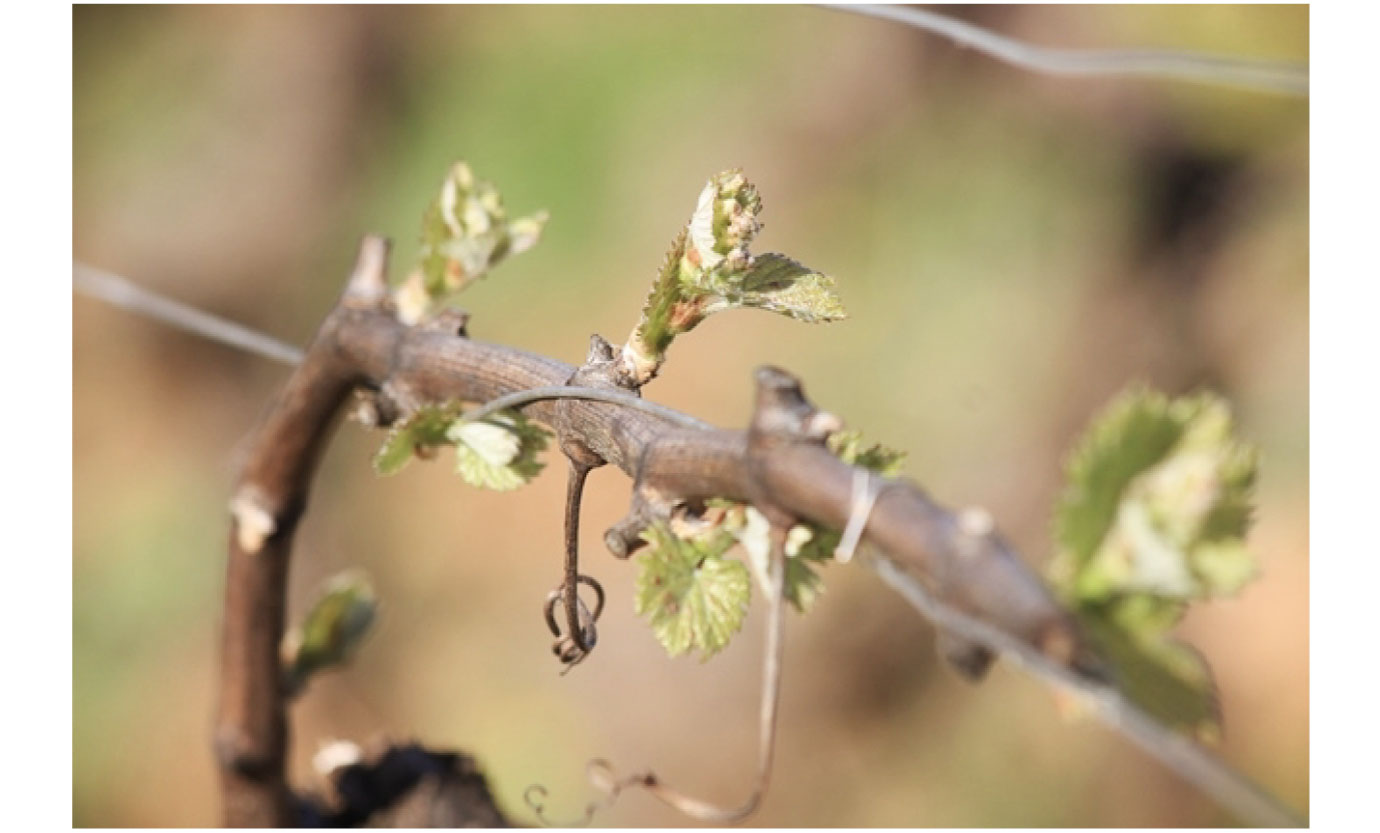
417,435
801,585
709,269
848,446
331,630
776,283
1154,517
1157,504
466,233
655,330
498,452
493,440
694,598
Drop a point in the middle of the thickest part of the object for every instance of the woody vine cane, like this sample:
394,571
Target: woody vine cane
693,485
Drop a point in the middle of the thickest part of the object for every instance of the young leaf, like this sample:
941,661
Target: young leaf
498,452
331,630
709,268
1154,517
694,598
848,446
1169,679
466,232
725,219
655,330
806,547
424,430
776,283
804,544
1158,503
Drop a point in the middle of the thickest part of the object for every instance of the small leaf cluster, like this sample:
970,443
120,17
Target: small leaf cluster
1154,517
709,268
331,631
688,584
500,451
807,547
694,597
466,232
848,446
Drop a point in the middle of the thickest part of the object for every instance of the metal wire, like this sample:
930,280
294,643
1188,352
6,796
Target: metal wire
1199,67
120,292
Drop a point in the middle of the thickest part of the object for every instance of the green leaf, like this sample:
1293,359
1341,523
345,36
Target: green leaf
1169,679
465,233
694,598
499,451
775,283
424,430
1153,518
655,329
804,543
803,585
709,269
332,630
1158,502
807,546
848,446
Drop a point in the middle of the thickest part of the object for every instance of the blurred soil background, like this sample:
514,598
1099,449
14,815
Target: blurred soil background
1013,250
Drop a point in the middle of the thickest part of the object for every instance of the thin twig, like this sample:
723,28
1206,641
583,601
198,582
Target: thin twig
1190,760
1205,68
120,292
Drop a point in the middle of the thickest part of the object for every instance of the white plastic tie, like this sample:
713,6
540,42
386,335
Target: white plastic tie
865,491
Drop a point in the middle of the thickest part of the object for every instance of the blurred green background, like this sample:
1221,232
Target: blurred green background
1012,249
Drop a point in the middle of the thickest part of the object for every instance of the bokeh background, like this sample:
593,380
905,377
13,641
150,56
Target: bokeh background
1013,250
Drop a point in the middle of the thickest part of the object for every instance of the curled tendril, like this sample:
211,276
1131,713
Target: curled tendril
572,648
605,780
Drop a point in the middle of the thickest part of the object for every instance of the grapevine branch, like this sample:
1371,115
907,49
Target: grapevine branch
954,567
